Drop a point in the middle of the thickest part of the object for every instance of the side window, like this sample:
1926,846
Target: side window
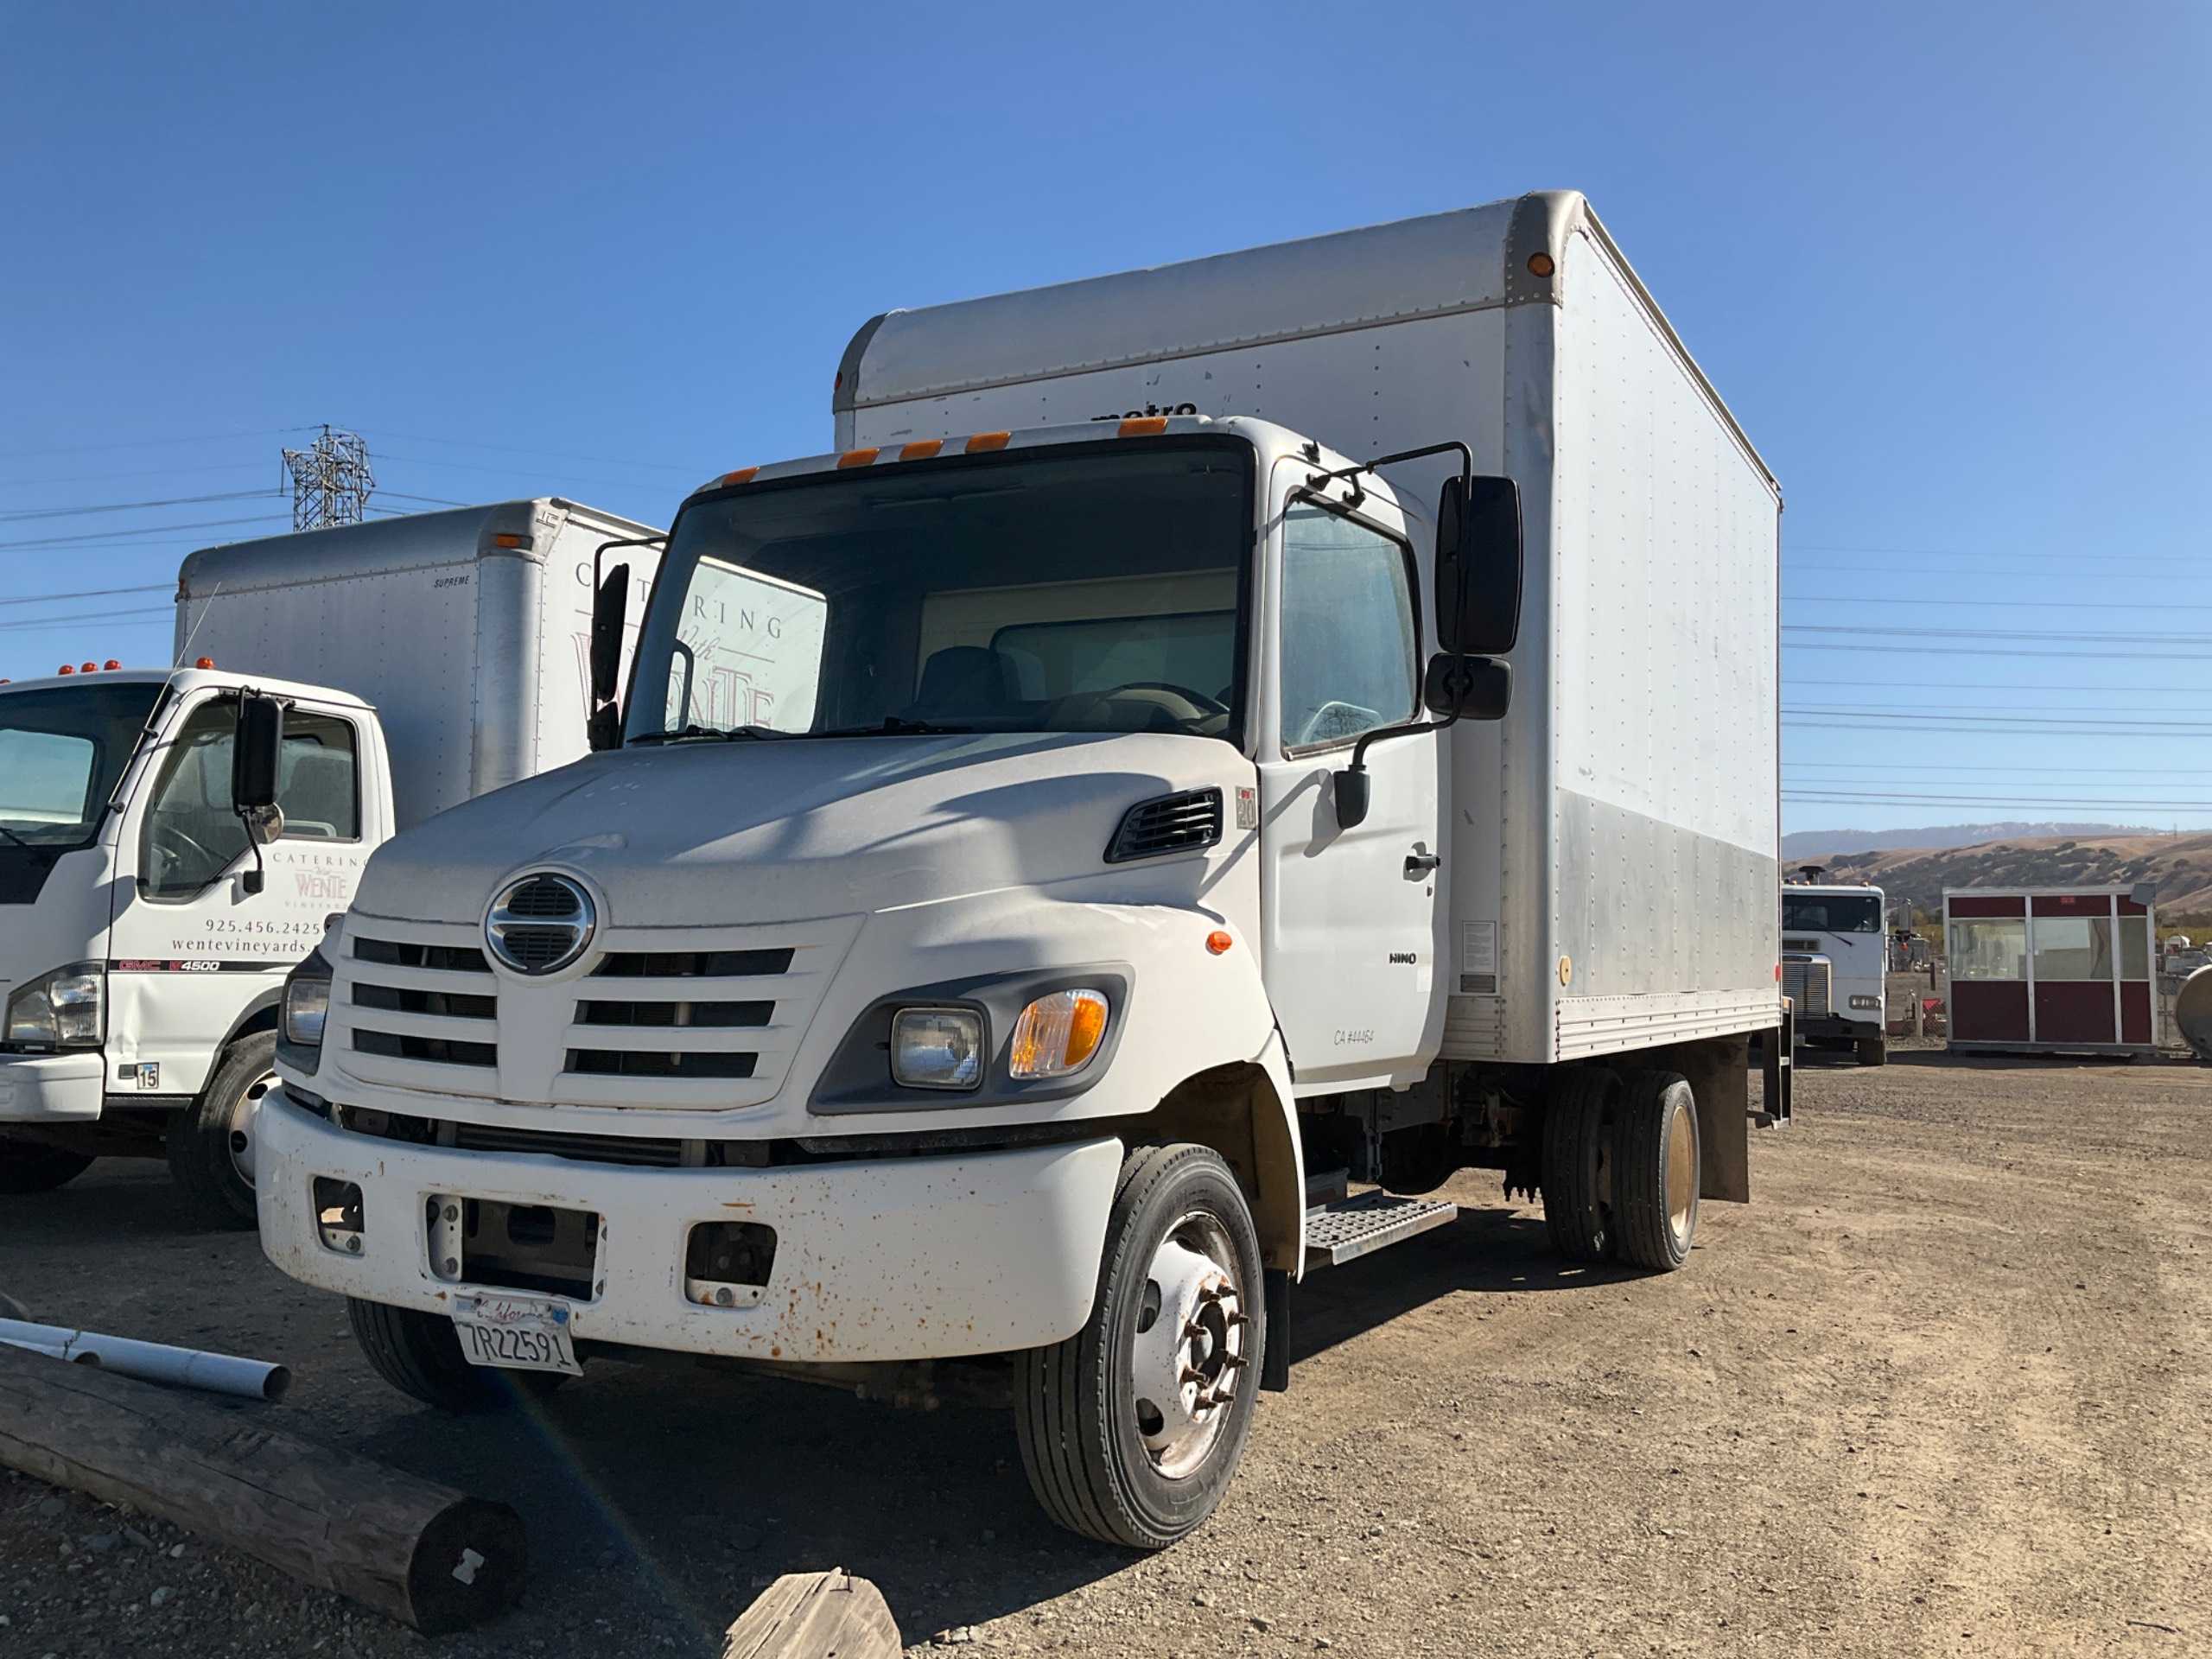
1348,642
191,836
317,782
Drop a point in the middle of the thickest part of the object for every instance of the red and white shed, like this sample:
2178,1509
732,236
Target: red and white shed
2050,970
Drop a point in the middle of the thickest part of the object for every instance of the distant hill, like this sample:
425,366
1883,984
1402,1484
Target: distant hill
1806,845
2180,865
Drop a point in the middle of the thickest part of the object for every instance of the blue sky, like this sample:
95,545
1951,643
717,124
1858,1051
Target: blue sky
1948,264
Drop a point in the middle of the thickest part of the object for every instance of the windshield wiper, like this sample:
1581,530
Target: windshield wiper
719,734
12,835
895,726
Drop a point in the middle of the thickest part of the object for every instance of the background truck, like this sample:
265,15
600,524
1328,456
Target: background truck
143,940
1181,804
1835,967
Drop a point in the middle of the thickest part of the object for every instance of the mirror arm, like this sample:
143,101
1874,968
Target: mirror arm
1315,480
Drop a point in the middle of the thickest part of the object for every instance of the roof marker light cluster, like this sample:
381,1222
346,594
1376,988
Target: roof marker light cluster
976,443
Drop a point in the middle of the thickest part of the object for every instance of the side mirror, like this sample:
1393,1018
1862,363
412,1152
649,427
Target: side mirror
255,755
1467,687
610,611
1479,566
257,750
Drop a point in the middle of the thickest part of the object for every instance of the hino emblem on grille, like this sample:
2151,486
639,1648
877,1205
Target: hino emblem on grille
540,924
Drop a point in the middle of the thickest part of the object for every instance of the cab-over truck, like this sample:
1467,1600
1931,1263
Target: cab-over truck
1248,739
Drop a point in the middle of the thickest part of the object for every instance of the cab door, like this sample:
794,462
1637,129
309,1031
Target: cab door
1350,915
192,950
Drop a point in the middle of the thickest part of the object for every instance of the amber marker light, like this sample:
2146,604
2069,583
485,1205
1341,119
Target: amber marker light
1218,942
1540,264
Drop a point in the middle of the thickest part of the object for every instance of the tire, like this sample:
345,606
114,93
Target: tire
213,1172
419,1354
1102,1456
27,1167
1658,1171
1874,1051
1578,1174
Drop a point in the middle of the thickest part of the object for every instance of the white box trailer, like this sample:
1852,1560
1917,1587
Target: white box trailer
1615,839
469,629
1163,820
420,661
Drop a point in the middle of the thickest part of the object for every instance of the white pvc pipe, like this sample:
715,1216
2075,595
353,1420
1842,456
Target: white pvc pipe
153,1362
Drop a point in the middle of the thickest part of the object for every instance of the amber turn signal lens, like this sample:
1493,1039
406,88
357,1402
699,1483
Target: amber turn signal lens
1218,942
1058,1034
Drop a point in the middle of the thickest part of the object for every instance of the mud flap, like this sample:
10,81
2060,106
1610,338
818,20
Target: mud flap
1778,1048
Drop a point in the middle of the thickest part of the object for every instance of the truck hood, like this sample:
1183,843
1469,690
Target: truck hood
704,833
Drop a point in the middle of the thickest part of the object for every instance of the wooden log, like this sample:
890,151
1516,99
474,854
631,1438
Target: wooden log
828,1615
422,1553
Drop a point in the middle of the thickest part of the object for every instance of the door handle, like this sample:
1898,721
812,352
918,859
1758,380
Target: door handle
1420,864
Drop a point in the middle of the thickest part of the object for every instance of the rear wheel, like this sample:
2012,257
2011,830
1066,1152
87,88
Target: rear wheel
1874,1051
1659,1170
211,1141
1131,1428
420,1354
26,1167
1578,1175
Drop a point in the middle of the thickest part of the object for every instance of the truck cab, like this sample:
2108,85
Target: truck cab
1835,967
145,936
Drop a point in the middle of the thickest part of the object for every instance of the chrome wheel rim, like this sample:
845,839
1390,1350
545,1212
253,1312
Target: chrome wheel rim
1681,1173
239,1132
1189,1354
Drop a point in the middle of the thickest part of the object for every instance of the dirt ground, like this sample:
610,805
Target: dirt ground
1945,1386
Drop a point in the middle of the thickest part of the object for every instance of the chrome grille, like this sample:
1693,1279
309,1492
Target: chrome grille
1808,984
433,1003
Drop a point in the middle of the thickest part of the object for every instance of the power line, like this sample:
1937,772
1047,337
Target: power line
148,530
1946,710
88,593
132,507
1802,724
2007,686
153,443
1983,650
544,455
2000,633
436,500
2039,722
1906,603
1837,797
27,624
1884,767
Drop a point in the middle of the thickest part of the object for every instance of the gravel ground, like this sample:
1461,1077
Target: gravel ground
1945,1386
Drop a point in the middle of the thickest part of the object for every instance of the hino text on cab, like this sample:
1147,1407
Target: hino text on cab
1213,752
145,927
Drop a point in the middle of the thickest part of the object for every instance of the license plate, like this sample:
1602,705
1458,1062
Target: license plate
516,1333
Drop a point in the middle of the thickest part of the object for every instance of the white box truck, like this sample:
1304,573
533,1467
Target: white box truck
143,935
1835,967
1242,729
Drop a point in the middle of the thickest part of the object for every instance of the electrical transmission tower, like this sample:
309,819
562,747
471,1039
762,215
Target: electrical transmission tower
331,480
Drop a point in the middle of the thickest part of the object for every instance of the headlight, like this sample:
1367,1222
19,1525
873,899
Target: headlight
306,1000
937,1048
1058,1034
62,1010
1866,1003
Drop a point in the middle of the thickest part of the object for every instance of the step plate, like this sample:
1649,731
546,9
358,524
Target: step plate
1351,1228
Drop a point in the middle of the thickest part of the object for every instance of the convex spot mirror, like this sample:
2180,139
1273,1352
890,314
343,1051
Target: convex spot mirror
1479,567
1467,687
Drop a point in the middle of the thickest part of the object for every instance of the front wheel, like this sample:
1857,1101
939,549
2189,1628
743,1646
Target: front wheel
419,1354
1131,1428
211,1141
28,1167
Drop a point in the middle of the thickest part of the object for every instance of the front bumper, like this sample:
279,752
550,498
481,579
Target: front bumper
883,1259
1836,1028
51,1088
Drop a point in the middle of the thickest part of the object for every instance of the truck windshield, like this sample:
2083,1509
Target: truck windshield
1831,913
61,751
1097,588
